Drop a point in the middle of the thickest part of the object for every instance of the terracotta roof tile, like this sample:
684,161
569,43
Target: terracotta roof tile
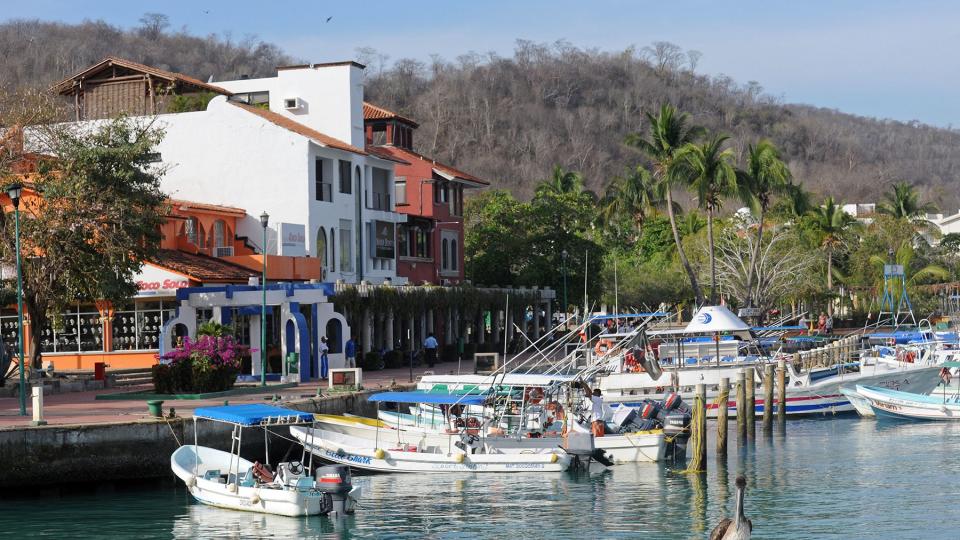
201,267
410,155
66,86
298,128
190,205
372,112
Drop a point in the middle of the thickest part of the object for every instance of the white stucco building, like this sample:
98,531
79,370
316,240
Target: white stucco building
289,145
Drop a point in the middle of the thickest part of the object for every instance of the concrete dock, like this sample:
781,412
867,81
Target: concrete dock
88,440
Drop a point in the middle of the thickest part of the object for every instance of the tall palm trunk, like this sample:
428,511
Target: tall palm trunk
830,281
713,259
697,293
753,262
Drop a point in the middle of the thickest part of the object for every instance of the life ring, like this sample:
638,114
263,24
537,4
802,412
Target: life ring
602,347
533,395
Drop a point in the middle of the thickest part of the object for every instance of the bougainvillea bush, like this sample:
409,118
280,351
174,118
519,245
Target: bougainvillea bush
207,364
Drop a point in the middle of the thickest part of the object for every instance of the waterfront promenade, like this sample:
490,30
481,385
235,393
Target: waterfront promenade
83,407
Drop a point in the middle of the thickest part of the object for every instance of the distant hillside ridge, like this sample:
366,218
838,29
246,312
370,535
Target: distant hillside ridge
512,119
37,54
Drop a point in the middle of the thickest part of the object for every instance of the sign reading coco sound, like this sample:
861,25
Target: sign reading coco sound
155,281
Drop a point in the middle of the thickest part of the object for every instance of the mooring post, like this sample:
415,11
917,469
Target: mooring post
742,404
722,416
782,390
751,401
768,397
699,436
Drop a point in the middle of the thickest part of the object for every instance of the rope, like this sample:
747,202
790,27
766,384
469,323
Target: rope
697,439
167,420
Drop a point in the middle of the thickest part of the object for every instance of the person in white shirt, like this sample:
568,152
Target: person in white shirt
597,426
324,361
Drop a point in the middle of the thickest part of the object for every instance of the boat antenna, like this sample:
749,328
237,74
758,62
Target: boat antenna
616,290
586,266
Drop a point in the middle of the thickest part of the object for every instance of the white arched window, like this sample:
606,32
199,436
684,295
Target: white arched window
322,247
219,234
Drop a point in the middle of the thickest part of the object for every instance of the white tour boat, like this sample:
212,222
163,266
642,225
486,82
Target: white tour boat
224,479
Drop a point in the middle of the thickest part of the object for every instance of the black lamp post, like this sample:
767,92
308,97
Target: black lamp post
264,220
563,259
14,191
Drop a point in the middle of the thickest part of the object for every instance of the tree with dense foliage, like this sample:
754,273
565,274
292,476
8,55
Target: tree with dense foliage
670,131
708,170
831,227
635,196
764,176
903,202
97,219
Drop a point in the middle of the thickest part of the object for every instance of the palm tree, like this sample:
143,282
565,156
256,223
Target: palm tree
904,203
765,176
708,169
561,182
691,223
669,131
636,195
831,225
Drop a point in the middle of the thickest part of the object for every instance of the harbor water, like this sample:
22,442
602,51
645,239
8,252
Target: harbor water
828,478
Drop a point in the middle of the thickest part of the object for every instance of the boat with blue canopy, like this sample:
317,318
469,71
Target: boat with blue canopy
227,480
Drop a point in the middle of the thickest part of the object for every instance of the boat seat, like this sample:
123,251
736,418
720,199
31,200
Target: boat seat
212,474
247,479
305,482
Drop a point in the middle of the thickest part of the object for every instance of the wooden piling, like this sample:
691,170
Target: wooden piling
698,423
768,397
751,402
722,415
782,390
742,404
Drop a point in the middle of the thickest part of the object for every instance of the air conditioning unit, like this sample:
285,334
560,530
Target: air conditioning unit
292,104
223,251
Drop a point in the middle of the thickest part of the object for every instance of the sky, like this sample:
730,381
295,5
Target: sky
882,58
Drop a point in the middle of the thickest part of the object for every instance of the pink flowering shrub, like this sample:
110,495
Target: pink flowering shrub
207,364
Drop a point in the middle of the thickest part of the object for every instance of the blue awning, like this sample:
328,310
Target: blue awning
629,315
253,414
777,328
426,397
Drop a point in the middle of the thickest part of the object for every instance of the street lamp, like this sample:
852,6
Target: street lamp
264,220
563,258
14,191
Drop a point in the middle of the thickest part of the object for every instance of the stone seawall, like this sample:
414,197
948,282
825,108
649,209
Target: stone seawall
61,454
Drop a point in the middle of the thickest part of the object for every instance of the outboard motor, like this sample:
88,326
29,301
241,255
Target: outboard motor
335,484
586,455
676,429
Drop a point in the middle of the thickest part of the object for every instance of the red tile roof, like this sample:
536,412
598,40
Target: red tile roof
379,152
190,205
69,85
201,267
410,155
298,128
372,112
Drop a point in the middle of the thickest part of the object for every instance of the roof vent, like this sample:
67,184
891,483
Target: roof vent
292,104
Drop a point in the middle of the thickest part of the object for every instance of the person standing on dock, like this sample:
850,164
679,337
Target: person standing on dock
430,347
350,351
822,324
829,324
324,361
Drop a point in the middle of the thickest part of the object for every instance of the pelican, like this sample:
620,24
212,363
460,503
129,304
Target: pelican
741,527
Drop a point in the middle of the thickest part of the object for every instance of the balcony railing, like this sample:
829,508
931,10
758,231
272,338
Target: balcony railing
326,192
380,201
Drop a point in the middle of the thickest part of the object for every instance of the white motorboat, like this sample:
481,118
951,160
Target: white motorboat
225,479
897,405
363,454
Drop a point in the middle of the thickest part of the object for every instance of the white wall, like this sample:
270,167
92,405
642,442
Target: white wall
331,97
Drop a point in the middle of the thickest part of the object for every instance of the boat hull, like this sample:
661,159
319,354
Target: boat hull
262,499
893,405
359,453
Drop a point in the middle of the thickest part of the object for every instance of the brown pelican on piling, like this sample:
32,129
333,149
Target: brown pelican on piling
741,527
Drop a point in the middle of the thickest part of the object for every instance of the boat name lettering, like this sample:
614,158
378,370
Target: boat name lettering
365,460
524,465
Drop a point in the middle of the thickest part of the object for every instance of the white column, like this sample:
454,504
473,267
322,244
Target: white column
365,330
388,331
255,356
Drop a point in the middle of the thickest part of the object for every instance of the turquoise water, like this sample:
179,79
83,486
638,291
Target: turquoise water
823,479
